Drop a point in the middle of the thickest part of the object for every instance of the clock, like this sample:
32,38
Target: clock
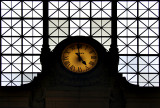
78,61
79,57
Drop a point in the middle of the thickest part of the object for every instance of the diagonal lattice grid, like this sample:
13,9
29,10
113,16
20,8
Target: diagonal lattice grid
80,18
21,41
138,41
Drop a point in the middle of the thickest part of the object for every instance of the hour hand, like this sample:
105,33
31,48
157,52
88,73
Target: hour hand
84,62
79,58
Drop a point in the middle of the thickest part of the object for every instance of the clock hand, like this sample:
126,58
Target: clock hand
80,58
84,62
78,48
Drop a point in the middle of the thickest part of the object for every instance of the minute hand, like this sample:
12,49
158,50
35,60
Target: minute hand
79,58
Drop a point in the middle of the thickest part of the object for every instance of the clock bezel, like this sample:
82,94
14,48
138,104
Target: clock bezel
85,71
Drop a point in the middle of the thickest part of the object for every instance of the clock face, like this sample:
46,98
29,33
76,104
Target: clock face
79,57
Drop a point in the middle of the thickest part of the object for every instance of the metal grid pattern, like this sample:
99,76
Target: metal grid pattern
80,18
137,31
21,41
138,41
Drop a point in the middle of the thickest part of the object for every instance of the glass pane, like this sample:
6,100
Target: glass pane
80,18
21,42
138,41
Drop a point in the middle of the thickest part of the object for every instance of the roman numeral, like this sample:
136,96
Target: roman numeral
91,63
80,46
72,47
79,69
92,51
66,51
65,58
72,68
86,47
93,57
67,63
87,68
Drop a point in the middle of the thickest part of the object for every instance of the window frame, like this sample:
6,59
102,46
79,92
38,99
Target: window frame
45,46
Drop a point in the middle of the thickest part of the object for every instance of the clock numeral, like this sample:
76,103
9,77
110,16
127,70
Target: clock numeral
93,57
80,46
87,68
91,63
86,47
92,51
72,47
67,63
79,69
72,68
66,51
65,58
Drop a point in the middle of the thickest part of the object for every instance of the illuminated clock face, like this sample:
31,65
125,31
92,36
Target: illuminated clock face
79,57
